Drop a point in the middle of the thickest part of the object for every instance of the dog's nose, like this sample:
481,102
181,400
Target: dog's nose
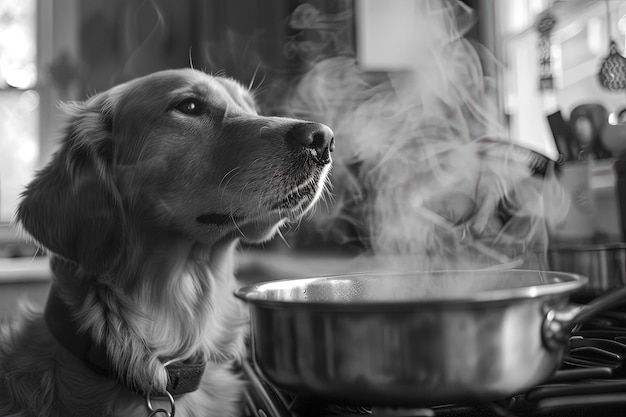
317,137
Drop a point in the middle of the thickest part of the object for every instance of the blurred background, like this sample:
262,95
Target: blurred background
532,90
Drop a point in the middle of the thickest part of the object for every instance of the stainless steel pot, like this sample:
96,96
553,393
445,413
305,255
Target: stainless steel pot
415,339
604,264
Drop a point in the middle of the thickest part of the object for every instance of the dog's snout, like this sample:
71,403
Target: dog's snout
317,137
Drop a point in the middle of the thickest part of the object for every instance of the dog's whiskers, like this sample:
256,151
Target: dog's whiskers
237,227
258,91
280,235
190,58
219,73
225,186
256,70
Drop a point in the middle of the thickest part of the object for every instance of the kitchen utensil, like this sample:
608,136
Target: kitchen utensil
562,133
612,75
415,338
620,174
603,263
587,122
493,148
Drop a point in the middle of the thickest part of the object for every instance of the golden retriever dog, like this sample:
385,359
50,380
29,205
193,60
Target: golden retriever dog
141,210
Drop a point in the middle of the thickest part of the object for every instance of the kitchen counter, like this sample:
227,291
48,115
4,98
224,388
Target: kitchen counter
23,281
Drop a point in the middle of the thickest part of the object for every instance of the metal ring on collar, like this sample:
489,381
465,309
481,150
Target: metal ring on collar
154,412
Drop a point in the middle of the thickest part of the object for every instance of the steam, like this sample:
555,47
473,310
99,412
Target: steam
422,164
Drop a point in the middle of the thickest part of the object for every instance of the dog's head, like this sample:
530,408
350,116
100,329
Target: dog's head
176,152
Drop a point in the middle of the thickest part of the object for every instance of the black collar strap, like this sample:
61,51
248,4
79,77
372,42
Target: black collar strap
183,377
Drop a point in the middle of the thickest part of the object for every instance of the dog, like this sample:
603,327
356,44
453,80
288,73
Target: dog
141,210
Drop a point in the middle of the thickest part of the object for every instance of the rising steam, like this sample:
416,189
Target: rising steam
421,158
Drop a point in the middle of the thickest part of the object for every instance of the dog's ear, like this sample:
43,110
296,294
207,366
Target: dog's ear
72,207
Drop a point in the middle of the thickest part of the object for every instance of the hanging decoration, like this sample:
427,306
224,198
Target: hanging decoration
545,24
612,74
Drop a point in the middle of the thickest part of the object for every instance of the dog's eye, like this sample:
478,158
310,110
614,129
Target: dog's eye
190,106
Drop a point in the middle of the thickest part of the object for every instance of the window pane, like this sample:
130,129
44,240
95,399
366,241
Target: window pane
19,103
19,130
18,43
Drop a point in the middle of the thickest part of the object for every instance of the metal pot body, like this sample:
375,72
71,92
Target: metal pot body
603,264
347,340
421,357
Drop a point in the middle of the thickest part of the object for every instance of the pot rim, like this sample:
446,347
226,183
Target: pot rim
564,283
578,247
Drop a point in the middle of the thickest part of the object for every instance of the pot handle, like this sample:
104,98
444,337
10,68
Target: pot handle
558,324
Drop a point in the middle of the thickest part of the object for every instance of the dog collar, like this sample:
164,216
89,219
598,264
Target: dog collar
183,376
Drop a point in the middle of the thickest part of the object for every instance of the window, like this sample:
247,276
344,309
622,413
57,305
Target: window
19,101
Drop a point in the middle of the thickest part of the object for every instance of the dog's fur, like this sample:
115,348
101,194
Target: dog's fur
141,209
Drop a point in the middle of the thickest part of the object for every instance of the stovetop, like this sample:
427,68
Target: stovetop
591,382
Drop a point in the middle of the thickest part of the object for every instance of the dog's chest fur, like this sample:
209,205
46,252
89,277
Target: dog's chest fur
194,312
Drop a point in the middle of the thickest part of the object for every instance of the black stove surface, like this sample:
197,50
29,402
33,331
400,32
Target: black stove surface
591,382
